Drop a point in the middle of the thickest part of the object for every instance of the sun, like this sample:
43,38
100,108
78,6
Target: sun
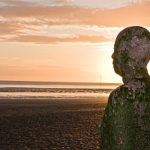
148,68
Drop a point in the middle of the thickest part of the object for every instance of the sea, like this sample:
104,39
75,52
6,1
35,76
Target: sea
53,90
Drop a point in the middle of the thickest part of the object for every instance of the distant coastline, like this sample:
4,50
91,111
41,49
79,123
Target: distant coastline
54,83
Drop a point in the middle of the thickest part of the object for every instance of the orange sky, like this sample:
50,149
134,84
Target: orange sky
64,40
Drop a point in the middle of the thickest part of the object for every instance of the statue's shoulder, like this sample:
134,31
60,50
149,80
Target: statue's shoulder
135,88
119,92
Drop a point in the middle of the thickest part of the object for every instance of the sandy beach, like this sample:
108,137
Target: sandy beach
50,124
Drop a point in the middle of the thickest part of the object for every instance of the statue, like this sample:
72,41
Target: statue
126,120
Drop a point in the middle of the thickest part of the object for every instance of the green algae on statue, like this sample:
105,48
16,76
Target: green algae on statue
126,121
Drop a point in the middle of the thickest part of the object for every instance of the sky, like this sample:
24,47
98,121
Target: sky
64,40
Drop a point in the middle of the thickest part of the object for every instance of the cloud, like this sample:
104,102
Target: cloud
26,23
79,3
54,40
79,15
12,3
6,29
71,31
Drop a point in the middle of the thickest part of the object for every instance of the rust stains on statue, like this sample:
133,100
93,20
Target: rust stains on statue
126,121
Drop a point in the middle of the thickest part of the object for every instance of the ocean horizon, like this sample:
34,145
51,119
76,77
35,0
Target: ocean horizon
49,90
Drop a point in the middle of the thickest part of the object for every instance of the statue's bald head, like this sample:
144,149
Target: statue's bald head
132,47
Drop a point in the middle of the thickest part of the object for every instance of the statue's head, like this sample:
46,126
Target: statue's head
131,50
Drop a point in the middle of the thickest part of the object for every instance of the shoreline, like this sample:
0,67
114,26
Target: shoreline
51,124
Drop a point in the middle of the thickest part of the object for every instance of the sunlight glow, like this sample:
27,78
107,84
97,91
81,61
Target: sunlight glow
64,40
148,67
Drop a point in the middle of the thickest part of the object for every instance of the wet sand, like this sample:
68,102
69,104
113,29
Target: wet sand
50,124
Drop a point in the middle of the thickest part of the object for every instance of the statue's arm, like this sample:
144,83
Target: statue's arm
117,125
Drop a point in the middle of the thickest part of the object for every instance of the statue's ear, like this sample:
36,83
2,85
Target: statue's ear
125,56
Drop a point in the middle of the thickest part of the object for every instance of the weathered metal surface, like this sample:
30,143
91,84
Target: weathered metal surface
126,121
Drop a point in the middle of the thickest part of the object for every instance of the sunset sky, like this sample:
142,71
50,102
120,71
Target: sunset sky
64,40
